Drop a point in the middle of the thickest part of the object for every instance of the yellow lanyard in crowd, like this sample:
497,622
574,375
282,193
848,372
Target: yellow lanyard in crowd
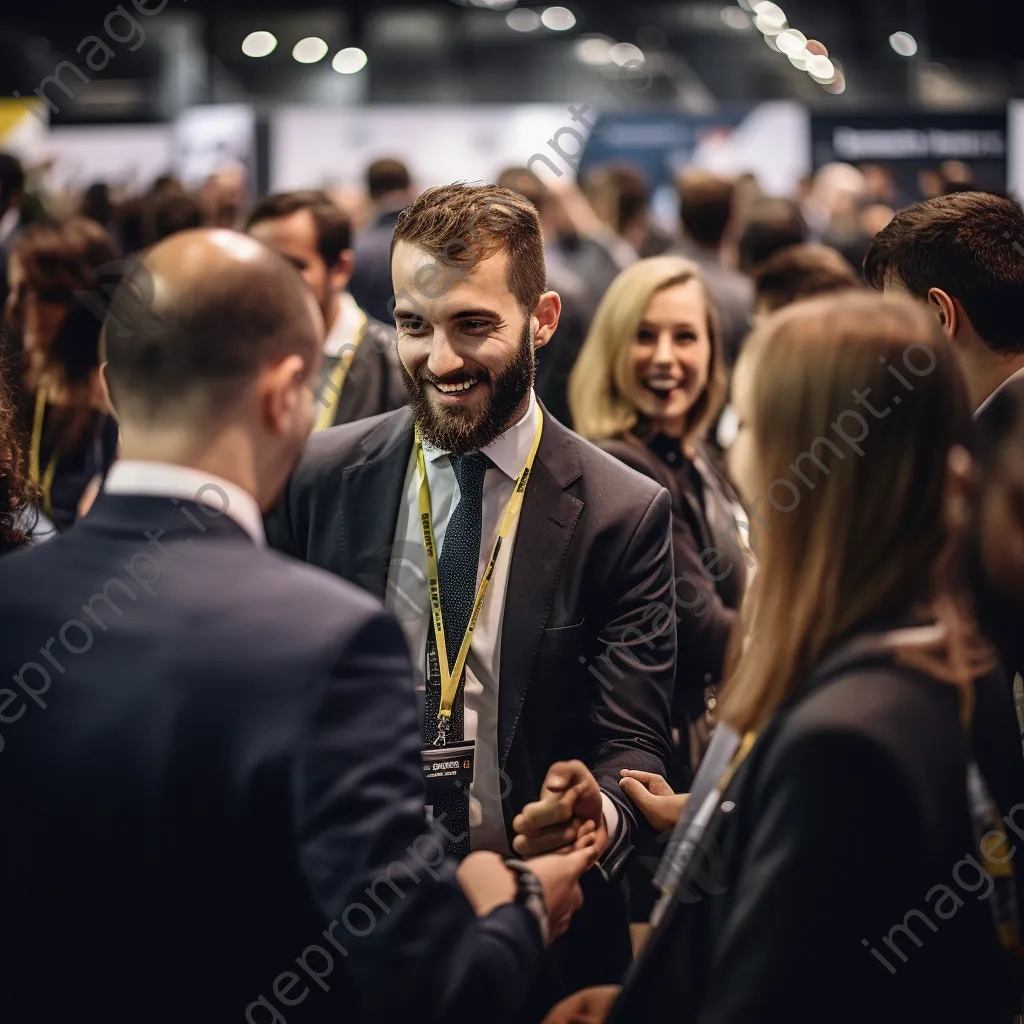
337,377
45,483
450,679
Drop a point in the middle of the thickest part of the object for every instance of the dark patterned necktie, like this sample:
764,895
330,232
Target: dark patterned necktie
456,571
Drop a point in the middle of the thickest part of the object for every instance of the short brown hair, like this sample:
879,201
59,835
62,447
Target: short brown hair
461,224
618,192
333,231
800,271
967,245
387,175
705,206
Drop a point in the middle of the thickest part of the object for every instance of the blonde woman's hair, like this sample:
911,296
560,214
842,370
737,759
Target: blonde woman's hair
848,524
603,386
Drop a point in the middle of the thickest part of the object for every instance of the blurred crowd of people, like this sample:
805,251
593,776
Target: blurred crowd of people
749,497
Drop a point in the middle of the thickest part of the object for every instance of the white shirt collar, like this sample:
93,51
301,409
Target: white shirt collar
1013,376
509,450
345,328
165,480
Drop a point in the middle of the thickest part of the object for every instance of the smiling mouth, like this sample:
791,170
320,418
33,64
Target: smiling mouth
454,389
662,388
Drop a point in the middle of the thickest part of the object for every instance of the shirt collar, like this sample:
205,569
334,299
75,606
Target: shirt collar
1013,376
508,451
165,480
345,328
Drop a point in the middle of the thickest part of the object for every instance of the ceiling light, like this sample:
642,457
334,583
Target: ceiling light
770,18
594,50
349,61
735,17
558,19
623,53
791,41
259,44
903,43
799,60
820,67
523,20
309,50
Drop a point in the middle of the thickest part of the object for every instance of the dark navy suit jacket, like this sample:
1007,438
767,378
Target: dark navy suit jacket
211,795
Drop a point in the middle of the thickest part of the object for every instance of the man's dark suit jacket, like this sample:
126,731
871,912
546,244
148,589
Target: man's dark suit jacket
837,830
371,280
587,643
373,384
229,765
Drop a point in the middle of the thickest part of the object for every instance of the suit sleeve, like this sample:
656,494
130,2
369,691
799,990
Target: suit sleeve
636,657
374,867
836,849
704,621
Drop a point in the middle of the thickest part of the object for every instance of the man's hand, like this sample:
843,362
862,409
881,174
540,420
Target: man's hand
559,876
569,799
588,1006
653,797
486,881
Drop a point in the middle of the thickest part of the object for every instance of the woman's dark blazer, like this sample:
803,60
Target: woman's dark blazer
706,608
845,834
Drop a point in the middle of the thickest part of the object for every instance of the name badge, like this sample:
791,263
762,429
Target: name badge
447,769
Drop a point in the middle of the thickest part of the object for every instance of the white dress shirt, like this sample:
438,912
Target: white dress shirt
407,600
166,480
346,327
1013,376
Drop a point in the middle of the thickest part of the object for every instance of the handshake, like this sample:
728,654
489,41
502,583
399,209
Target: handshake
562,835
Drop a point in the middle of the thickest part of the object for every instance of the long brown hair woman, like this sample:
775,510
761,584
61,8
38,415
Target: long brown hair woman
852,862
60,279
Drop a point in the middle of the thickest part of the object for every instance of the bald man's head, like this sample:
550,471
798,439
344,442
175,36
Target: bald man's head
197,319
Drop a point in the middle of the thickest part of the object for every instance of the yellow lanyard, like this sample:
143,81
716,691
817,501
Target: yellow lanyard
450,679
338,375
45,483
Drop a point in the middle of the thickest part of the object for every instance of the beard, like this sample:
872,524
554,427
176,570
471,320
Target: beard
999,615
460,430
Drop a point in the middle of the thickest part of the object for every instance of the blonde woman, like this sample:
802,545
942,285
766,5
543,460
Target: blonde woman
648,381
853,862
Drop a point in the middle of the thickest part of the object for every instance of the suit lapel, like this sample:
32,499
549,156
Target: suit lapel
546,525
371,493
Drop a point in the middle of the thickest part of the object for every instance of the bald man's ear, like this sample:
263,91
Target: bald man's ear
341,273
546,314
286,396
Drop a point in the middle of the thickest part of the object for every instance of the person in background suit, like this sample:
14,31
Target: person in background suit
554,364
707,214
997,563
568,672
853,856
963,254
390,189
648,381
210,781
360,371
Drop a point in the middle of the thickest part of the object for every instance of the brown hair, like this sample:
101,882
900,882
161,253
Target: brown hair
63,264
800,272
333,230
602,386
705,206
966,244
385,176
865,536
461,224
